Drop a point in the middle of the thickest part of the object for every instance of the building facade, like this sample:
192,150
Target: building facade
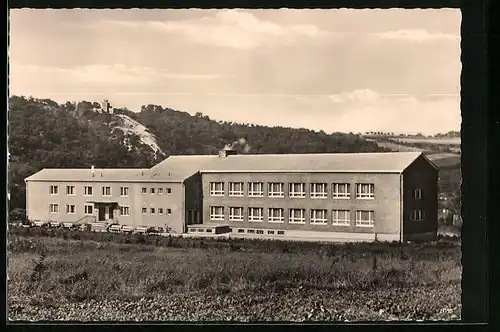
375,196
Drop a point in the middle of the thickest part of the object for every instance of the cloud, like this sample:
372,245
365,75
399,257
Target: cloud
416,35
231,28
116,74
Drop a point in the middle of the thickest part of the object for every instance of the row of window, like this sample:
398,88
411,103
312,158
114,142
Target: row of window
295,190
295,216
124,210
106,191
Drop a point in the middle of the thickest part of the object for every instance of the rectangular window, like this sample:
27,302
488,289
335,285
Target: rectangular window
152,210
260,231
89,209
276,215
341,190
160,210
160,191
256,189
417,215
70,190
144,190
281,232
216,213
297,216
169,190
124,210
144,210
319,190
236,189
417,194
54,190
297,190
270,232
241,231
54,208
251,231
216,188
169,211
276,190
87,190
70,209
318,217
152,191
124,191
341,217
236,213
364,218
255,214
365,190
106,191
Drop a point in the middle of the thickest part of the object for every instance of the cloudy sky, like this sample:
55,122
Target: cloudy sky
333,70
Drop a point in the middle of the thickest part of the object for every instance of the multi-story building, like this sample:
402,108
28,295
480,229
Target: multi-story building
355,196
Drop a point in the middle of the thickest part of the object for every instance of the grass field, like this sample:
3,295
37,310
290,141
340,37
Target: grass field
65,275
445,141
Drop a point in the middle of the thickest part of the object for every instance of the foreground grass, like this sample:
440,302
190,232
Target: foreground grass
191,279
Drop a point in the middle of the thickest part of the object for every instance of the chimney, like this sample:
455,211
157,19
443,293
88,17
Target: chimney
227,152
92,171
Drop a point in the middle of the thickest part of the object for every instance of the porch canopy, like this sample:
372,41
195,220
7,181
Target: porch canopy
103,202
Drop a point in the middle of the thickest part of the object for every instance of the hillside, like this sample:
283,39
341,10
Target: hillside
43,133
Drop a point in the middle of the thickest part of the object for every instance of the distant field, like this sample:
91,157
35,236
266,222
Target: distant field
57,275
446,141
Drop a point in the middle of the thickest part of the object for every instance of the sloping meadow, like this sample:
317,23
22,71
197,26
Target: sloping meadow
47,272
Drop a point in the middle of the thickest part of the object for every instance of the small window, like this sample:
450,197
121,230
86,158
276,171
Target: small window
241,231
87,190
417,194
236,189
70,209
270,232
365,190
169,211
169,190
54,208
124,191
54,190
209,230
417,215
192,230
144,190
152,210
106,191
70,190
160,191
160,210
216,188
297,190
88,209
152,190
281,232
260,231
251,231
124,210
144,210
201,230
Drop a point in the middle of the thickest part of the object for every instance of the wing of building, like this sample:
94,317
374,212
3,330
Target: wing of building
353,196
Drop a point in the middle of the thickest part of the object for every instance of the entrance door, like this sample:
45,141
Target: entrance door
111,212
101,212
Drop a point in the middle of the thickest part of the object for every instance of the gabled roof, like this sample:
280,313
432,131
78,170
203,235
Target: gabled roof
85,174
386,162
181,167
